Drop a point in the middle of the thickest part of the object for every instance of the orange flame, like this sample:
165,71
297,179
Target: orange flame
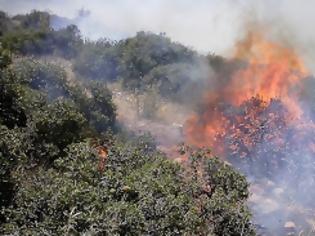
270,71
273,71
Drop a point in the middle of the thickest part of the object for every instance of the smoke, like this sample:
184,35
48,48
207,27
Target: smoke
259,121
58,22
212,26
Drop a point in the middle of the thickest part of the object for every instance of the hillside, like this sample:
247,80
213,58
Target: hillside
71,166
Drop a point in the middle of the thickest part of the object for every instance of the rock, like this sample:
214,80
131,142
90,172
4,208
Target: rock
289,224
290,228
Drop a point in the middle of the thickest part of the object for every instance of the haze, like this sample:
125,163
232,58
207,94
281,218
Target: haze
207,26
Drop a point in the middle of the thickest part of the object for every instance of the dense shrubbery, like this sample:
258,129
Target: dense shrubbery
142,62
131,59
32,34
140,192
50,127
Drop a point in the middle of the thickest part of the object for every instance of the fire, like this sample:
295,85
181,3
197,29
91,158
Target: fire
273,71
255,120
270,72
102,153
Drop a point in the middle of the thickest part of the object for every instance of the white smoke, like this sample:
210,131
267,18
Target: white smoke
206,25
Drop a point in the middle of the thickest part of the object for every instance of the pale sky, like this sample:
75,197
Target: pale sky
205,25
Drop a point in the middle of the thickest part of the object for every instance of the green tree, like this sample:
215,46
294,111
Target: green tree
50,183
139,192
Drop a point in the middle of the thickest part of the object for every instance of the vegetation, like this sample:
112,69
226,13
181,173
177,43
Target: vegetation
32,34
52,128
130,60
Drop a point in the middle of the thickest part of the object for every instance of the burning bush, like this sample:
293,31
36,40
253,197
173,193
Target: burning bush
257,135
256,122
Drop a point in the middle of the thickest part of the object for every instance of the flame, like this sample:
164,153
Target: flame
270,71
102,153
202,131
255,121
273,71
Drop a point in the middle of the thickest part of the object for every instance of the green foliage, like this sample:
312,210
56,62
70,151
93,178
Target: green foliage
146,51
60,123
37,84
24,42
99,108
34,20
5,57
228,191
46,78
11,112
14,146
98,61
26,87
31,34
174,81
50,183
141,62
67,42
5,23
129,60
140,192
40,115
169,78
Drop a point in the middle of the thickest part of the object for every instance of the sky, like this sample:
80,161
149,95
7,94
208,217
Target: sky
208,26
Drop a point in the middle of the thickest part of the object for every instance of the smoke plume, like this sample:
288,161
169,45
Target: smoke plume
260,121
255,112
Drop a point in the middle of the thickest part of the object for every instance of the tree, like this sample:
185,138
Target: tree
31,34
52,131
139,192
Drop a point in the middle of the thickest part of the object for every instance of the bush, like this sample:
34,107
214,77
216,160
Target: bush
139,193
50,135
59,123
31,34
